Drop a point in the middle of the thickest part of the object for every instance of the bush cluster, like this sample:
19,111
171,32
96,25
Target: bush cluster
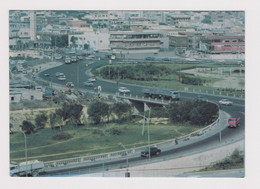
192,80
192,112
62,136
236,160
142,72
115,131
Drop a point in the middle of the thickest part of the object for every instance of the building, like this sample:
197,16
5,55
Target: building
91,40
141,41
223,44
22,95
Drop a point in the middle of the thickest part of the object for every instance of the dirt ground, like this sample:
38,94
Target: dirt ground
225,77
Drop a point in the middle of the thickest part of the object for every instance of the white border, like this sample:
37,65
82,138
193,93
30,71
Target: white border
252,95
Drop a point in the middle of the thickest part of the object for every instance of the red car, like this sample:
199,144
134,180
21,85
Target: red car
233,122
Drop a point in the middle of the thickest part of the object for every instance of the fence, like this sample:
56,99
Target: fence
123,153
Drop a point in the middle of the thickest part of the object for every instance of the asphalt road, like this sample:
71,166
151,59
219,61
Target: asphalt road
72,70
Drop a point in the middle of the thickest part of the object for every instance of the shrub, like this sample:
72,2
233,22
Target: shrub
28,127
115,131
97,132
62,136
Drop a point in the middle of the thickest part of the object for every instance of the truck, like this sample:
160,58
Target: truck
161,94
31,168
233,122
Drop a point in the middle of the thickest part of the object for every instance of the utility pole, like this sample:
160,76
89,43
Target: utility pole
149,134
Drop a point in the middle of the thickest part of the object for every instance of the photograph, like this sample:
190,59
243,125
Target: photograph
126,93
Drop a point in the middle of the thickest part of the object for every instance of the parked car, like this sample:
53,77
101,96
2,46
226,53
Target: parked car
58,56
225,102
88,84
67,60
90,57
153,151
92,79
70,84
201,98
73,59
123,90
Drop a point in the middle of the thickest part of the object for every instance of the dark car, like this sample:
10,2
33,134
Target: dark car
166,59
153,151
149,58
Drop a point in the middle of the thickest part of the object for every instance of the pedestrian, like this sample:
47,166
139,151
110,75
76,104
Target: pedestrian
176,141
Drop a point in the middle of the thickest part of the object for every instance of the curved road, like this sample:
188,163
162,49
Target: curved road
237,110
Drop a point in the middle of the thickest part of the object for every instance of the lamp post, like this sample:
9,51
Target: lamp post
25,150
127,174
149,134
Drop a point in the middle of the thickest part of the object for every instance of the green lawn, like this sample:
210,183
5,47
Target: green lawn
172,81
84,142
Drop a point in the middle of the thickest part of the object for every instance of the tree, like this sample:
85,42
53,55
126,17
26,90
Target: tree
27,127
41,120
121,110
73,40
97,110
55,118
71,113
10,128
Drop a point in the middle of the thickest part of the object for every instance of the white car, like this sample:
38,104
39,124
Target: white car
92,79
57,74
88,84
225,102
62,78
123,90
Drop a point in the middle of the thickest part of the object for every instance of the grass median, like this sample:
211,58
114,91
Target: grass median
90,140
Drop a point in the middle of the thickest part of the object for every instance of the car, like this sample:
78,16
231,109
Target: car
46,75
92,79
73,59
58,56
149,58
57,74
67,60
225,102
153,151
123,90
88,84
70,84
90,57
166,59
233,122
62,78
201,98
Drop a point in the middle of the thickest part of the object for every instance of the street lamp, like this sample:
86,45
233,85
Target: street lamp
148,129
25,150
127,174
149,133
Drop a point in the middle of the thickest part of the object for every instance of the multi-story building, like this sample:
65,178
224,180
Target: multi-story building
223,44
141,41
90,40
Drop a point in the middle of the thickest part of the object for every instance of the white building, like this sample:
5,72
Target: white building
91,40
16,96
